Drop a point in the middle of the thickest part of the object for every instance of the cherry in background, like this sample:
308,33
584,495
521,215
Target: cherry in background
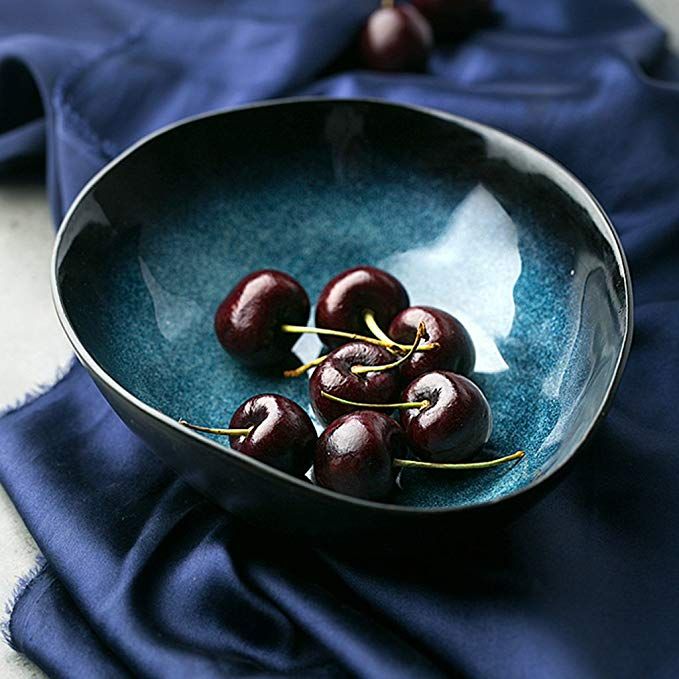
395,38
399,37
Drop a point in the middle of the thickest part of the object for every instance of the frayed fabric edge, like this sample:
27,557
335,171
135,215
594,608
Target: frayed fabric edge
22,585
26,580
34,394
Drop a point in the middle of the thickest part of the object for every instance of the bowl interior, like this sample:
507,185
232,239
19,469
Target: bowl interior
469,220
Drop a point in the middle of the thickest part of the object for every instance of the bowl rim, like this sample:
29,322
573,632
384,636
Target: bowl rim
567,180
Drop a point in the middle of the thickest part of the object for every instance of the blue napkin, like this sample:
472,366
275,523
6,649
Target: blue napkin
144,577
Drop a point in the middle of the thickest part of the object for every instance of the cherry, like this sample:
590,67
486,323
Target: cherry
455,421
454,18
358,455
354,455
249,322
455,350
342,375
359,296
272,429
395,38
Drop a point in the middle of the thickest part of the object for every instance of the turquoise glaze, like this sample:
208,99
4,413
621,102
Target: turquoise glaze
470,221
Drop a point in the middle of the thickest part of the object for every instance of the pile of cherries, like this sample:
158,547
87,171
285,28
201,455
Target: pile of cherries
418,366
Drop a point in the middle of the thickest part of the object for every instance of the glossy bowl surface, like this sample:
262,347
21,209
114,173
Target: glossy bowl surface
469,219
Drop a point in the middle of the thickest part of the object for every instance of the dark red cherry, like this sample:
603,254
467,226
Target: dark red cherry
345,299
395,38
455,351
355,454
451,19
248,322
456,423
335,377
272,429
359,454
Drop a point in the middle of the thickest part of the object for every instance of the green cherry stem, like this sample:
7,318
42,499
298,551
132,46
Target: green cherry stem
218,432
388,344
362,369
307,329
369,318
418,464
297,372
373,326
389,406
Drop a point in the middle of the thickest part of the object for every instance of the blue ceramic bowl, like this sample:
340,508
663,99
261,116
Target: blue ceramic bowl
469,219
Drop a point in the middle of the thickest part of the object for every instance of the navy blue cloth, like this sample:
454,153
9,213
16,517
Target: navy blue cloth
145,577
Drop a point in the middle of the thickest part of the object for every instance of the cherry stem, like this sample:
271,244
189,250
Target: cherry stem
373,326
361,369
371,322
389,406
418,464
218,432
297,372
302,329
388,4
389,345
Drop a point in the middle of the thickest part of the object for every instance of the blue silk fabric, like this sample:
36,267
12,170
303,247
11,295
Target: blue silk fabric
144,577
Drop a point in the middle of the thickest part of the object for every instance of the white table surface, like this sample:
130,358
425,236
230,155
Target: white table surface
33,349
